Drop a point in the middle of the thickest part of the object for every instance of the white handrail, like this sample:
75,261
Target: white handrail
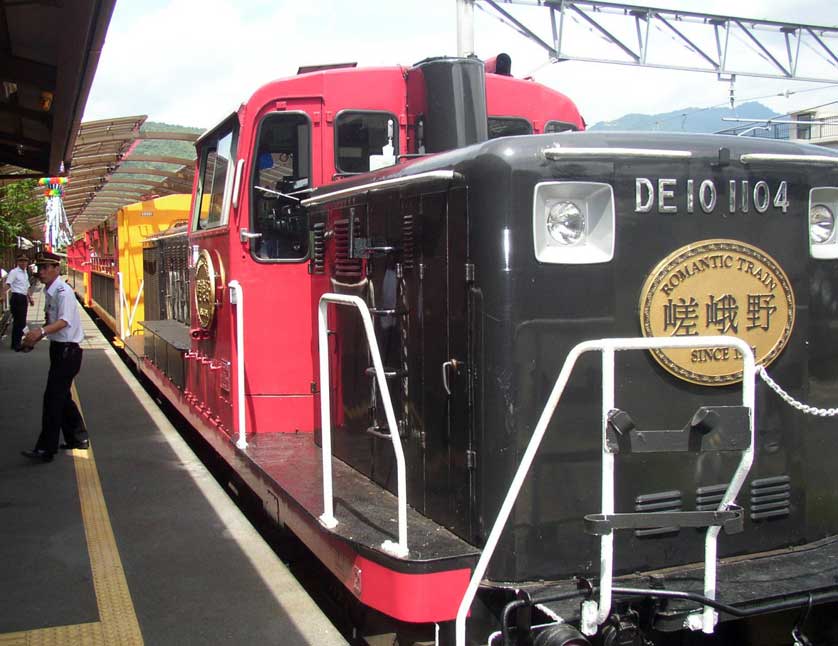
123,305
136,304
607,346
328,519
237,299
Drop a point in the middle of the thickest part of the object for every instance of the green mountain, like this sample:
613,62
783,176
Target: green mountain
688,119
165,148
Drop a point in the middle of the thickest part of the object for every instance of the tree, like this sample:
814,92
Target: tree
19,201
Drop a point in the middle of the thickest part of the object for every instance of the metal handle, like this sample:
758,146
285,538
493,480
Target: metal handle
453,364
245,235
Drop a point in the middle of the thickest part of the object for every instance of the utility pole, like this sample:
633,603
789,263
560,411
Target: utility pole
465,27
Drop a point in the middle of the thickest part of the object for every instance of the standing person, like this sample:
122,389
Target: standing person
17,280
63,327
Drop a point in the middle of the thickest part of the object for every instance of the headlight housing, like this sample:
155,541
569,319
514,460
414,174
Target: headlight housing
823,239
573,222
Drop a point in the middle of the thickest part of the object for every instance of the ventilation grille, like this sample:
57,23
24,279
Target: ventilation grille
408,240
318,254
346,267
708,498
770,498
653,502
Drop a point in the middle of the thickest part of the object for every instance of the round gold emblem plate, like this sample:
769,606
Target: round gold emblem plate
717,288
205,289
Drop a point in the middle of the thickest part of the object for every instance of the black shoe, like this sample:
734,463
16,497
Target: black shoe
82,445
38,454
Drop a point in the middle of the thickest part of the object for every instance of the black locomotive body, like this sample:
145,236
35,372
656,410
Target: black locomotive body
476,307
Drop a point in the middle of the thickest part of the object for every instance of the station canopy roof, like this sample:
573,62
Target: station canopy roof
49,52
115,162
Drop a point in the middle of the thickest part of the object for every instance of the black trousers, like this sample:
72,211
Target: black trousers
19,305
60,412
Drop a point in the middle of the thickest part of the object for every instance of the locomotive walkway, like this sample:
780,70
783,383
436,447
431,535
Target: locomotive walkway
133,541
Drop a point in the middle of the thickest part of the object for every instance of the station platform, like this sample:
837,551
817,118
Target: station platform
131,541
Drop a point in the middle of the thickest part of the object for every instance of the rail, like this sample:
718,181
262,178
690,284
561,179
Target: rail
328,519
237,299
594,613
123,307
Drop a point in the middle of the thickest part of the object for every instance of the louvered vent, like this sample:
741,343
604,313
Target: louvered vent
654,502
708,498
346,267
408,240
318,253
770,498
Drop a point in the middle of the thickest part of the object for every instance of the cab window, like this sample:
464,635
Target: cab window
365,141
559,126
508,127
281,178
215,184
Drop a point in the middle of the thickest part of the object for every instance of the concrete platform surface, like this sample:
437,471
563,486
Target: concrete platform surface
132,541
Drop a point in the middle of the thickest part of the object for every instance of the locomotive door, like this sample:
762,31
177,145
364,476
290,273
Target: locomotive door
413,279
441,234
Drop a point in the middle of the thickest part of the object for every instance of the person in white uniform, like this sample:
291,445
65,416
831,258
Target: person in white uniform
64,331
17,281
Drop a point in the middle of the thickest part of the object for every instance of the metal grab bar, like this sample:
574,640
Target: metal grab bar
593,613
123,305
328,517
136,304
237,299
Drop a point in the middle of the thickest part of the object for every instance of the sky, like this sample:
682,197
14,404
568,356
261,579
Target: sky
192,62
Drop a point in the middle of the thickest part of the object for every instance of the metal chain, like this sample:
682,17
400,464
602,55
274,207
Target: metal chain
791,401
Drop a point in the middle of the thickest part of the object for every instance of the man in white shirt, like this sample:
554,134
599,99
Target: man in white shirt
63,328
17,280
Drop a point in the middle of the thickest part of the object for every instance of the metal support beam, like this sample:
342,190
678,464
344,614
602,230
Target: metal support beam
744,46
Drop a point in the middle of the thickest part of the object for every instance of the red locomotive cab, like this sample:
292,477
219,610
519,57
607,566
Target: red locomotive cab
523,107
254,168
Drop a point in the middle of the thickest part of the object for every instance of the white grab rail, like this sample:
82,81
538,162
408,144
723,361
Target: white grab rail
328,519
593,613
136,305
237,299
123,305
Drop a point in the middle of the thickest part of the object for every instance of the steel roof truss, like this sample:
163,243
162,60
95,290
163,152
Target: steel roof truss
725,63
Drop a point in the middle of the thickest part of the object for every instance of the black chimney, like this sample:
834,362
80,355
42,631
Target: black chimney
446,100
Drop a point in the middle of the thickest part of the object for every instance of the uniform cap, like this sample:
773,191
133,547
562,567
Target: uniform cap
22,256
47,258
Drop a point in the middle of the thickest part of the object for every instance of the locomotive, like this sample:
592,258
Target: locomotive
510,380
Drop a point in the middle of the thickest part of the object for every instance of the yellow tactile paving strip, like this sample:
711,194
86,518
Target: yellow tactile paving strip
117,619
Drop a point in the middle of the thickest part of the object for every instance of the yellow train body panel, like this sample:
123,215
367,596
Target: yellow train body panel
136,222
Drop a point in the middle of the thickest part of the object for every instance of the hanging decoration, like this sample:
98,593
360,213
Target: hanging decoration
57,230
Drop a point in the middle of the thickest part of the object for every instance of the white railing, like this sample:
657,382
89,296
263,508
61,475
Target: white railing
237,299
594,613
328,519
123,307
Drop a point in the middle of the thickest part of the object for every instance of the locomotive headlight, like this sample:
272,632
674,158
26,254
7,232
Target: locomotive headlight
573,222
821,224
823,240
565,223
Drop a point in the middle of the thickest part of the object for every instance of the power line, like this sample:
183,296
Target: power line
684,114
